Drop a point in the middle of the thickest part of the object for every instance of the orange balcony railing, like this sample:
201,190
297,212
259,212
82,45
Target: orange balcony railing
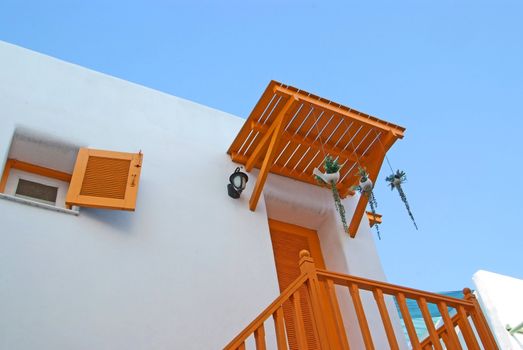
307,315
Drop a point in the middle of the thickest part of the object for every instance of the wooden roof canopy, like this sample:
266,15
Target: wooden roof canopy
290,132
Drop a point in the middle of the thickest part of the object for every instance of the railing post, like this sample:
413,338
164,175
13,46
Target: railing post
480,322
319,312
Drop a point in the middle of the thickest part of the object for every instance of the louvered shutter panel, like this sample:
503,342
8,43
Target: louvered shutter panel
105,179
287,246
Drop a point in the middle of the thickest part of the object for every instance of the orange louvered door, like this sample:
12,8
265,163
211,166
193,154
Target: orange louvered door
105,179
287,242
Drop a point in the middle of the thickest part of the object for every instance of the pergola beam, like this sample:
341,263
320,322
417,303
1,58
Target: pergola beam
275,136
298,138
279,170
365,119
262,146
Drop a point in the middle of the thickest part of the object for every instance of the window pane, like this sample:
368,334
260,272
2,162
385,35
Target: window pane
36,191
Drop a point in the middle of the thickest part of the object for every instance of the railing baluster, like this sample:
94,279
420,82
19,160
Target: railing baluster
444,336
299,328
407,318
480,322
279,327
325,330
422,303
319,315
468,333
387,324
259,337
449,326
360,313
340,328
482,331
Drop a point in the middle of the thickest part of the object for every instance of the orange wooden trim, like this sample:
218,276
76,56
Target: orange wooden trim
392,289
466,330
262,145
299,328
483,330
319,311
433,336
449,326
340,328
33,169
311,235
374,219
279,326
396,130
269,157
358,212
5,174
259,337
480,322
441,333
360,313
407,318
326,148
445,338
385,318
40,170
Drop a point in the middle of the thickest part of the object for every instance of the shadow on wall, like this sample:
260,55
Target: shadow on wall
122,221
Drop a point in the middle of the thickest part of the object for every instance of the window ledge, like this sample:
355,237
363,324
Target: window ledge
39,205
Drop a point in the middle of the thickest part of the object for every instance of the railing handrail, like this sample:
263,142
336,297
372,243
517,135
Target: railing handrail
329,330
265,314
388,288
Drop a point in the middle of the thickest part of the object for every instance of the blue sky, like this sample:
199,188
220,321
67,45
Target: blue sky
450,72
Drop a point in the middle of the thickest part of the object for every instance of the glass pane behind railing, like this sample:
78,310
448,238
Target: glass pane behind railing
417,318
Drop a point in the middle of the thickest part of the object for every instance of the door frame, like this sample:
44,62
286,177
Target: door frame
311,235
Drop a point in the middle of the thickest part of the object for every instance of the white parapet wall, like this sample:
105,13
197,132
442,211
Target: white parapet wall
501,298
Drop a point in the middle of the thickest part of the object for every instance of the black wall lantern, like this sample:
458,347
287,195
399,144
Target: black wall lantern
237,180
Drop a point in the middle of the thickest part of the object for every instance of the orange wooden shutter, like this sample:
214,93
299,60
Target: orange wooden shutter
105,179
287,242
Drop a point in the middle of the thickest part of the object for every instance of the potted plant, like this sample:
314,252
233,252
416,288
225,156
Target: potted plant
331,177
365,187
395,181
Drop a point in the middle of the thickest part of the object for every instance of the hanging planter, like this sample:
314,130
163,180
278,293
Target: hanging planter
331,177
395,181
365,188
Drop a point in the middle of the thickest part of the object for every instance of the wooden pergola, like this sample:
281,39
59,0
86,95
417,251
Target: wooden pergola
290,132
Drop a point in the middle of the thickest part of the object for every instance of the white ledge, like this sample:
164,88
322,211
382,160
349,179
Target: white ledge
39,205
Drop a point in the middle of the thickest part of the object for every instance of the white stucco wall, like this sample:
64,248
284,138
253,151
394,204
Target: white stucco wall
190,268
501,298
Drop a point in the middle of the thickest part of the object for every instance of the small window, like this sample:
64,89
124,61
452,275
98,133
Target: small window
36,191
48,172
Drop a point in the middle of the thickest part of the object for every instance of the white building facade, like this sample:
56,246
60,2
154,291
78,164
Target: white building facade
190,267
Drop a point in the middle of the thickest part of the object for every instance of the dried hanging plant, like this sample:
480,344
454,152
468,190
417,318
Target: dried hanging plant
330,178
365,188
395,181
